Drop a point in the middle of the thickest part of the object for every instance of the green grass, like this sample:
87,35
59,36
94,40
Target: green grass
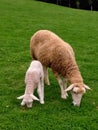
19,19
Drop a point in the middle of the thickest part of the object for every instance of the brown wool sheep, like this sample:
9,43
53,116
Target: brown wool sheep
53,52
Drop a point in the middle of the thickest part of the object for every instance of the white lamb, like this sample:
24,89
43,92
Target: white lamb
34,78
53,52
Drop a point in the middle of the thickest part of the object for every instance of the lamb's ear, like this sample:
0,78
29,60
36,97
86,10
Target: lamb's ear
34,97
85,86
70,87
21,97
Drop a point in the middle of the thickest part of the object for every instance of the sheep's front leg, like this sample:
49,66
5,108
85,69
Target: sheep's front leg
46,75
65,85
40,91
62,86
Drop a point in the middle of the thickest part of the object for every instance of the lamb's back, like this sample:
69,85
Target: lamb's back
34,72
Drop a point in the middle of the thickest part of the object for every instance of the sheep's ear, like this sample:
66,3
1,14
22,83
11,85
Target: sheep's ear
70,87
34,97
85,86
21,97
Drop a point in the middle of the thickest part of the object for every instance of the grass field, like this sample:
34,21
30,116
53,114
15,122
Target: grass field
19,19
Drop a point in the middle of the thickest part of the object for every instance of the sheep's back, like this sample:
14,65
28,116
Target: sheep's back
48,48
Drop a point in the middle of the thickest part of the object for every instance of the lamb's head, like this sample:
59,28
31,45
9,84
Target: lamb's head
77,91
27,99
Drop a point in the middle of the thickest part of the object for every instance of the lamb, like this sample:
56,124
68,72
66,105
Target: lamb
34,79
53,52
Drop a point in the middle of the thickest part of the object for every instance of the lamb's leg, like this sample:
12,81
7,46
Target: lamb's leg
63,93
46,75
40,91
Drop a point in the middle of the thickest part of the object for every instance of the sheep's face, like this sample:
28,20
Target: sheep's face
76,98
77,91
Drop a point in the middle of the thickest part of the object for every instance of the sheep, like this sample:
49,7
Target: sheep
58,55
33,79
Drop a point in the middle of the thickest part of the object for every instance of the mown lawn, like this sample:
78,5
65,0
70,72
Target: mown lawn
19,19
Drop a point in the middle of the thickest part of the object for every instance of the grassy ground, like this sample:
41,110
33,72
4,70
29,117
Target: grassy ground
19,19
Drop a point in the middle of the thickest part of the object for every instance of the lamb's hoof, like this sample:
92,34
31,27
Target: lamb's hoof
42,102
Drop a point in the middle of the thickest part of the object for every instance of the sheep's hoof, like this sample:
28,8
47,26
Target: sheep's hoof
48,84
64,96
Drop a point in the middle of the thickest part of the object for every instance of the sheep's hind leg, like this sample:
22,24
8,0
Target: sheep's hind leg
46,78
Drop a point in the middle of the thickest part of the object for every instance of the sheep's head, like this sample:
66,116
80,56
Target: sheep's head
77,91
27,99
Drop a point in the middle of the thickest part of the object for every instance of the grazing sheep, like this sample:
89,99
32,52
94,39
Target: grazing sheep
34,77
53,52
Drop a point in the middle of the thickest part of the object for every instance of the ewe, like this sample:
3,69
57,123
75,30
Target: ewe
53,52
34,78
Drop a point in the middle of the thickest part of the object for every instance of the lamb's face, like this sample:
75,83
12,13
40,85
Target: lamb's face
27,100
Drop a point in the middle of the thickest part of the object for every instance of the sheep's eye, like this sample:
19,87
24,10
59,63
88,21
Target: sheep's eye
75,92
